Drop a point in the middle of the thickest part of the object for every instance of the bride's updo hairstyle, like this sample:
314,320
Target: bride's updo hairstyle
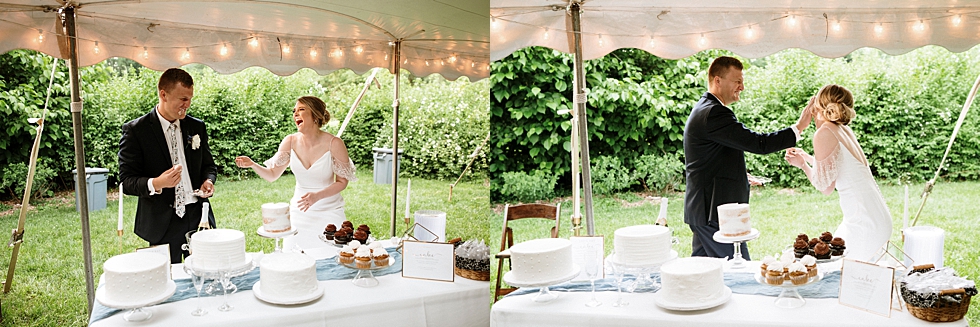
317,108
835,104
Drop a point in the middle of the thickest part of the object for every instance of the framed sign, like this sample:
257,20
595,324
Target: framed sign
588,251
428,260
867,286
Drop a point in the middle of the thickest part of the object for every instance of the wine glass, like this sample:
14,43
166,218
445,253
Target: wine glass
620,271
198,280
225,285
592,270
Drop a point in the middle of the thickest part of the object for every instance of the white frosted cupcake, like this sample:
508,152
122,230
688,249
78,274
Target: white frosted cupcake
363,257
810,263
774,273
375,245
380,256
798,274
765,263
346,254
354,244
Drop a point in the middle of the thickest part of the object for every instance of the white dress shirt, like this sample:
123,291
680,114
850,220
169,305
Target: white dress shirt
185,177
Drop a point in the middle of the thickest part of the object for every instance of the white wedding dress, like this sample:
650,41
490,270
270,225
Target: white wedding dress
330,210
867,223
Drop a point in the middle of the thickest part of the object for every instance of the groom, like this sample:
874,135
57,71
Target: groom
714,153
164,158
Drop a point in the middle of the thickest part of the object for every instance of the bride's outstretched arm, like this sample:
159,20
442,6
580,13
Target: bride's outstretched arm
274,167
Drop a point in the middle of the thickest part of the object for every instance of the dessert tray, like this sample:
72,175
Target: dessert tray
257,290
614,260
753,234
101,297
234,271
391,261
786,283
261,231
663,303
331,242
832,258
509,278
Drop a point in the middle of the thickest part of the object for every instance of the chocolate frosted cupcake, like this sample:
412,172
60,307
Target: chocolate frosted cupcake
813,243
801,248
365,228
330,231
341,237
803,237
837,247
826,237
360,236
822,251
347,224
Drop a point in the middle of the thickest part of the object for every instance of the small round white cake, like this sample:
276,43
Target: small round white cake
287,275
135,277
691,281
275,217
541,260
734,220
218,249
642,244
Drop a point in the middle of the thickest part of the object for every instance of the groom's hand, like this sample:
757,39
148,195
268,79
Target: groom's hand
207,189
794,157
168,179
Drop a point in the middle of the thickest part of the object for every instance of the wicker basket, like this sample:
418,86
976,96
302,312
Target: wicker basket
944,309
472,274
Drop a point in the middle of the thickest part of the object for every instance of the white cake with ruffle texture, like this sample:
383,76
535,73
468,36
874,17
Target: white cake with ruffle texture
692,281
541,260
135,277
734,219
218,249
287,275
275,217
642,244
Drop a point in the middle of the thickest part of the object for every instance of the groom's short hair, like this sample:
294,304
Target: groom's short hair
172,76
721,65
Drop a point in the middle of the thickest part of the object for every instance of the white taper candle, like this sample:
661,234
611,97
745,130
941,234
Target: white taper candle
905,210
408,199
119,226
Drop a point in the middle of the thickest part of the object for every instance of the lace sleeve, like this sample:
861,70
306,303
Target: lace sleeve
345,169
825,170
278,160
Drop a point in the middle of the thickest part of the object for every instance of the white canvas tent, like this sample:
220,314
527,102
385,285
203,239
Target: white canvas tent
450,38
674,29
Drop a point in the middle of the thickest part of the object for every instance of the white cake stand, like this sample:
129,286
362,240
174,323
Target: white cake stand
789,297
643,271
137,310
543,295
365,276
737,261
277,236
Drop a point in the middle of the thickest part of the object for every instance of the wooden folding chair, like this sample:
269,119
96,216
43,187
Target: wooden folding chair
540,211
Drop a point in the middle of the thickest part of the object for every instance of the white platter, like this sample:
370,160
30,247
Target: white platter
661,302
101,297
257,290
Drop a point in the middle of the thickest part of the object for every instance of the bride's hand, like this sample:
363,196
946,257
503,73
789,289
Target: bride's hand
244,162
795,157
307,200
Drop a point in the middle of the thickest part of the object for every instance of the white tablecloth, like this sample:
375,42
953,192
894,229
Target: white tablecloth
396,301
741,310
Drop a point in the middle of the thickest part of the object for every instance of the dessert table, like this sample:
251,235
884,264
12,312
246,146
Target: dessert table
396,301
741,310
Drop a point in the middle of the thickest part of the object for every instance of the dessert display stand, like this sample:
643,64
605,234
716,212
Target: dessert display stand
323,238
642,271
276,236
789,297
737,261
137,310
365,276
543,295
221,276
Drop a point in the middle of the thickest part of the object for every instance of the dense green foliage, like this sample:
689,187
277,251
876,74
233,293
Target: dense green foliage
247,113
638,104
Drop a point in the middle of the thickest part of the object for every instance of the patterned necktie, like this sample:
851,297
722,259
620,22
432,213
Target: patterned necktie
180,193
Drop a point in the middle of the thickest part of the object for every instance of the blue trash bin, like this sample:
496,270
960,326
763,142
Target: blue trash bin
95,181
382,164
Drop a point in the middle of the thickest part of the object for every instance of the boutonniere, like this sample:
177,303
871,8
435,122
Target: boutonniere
195,142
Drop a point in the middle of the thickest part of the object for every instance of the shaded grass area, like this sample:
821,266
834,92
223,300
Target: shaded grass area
781,214
49,283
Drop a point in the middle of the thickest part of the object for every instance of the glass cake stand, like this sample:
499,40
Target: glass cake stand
365,276
642,271
543,294
277,236
789,297
137,310
221,276
737,261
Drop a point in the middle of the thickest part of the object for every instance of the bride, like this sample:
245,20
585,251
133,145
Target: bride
322,168
838,162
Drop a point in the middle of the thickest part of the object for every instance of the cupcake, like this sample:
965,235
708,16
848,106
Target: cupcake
810,263
822,251
801,248
837,247
347,224
803,237
355,244
330,231
362,256
380,256
374,245
346,255
798,274
360,236
826,237
774,273
765,263
340,237
365,228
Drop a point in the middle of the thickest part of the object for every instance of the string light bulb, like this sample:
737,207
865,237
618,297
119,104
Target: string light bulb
358,49
254,42
406,61
426,63
472,65
452,59
879,28
836,26
187,54
96,48
40,36
386,56
702,41
919,26
493,22
545,36
224,50
442,62
285,49
313,53
792,20
146,54
652,43
957,20
338,53
600,40
749,33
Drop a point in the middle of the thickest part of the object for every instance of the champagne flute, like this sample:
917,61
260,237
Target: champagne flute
592,270
619,271
225,282
198,280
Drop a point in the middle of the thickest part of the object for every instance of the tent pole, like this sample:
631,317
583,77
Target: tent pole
353,107
580,101
76,119
397,67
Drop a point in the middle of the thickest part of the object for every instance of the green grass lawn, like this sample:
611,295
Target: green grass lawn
781,214
49,283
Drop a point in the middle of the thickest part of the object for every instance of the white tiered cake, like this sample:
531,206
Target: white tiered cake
734,219
287,276
695,282
135,277
540,261
642,245
218,249
275,217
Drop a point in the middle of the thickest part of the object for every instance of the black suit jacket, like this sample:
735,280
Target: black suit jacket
143,154
714,153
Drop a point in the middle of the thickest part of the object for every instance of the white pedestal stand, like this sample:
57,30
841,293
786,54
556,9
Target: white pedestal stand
737,261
